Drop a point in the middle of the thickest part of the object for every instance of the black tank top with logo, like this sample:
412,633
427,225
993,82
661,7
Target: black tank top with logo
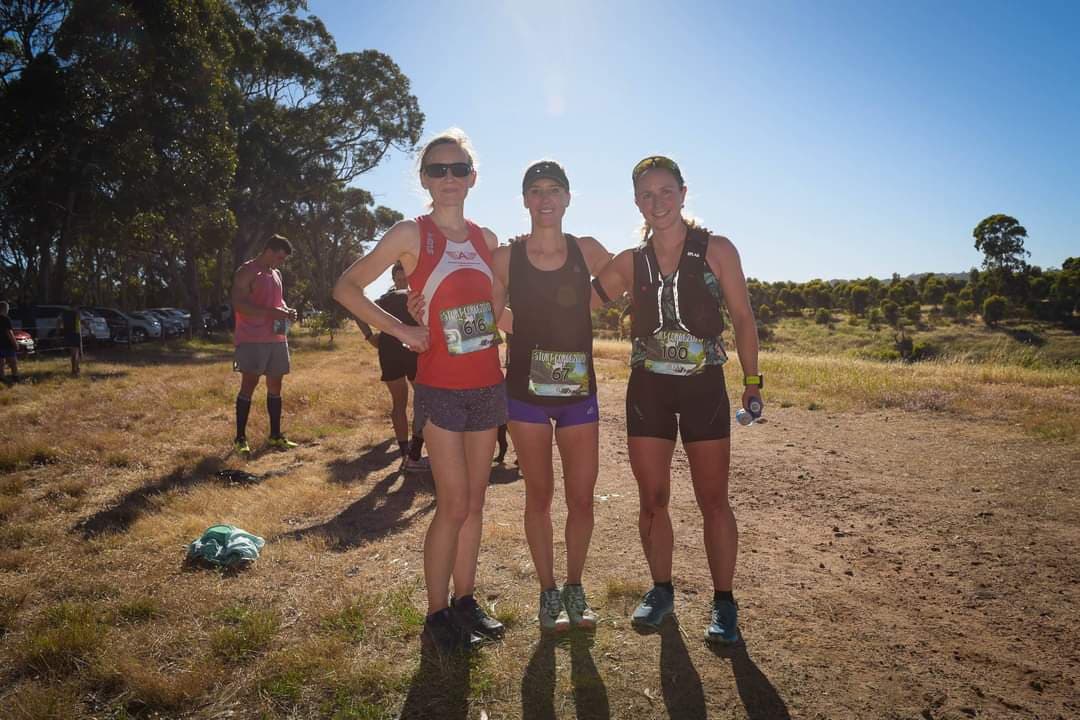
550,360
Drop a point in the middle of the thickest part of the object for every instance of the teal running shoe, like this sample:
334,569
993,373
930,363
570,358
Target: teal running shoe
577,607
657,604
552,615
724,628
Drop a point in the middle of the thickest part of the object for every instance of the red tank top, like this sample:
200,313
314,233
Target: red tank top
265,292
455,279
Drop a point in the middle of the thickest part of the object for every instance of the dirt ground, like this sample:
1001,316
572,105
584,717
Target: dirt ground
892,565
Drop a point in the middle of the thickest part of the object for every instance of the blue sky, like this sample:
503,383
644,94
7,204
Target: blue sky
826,139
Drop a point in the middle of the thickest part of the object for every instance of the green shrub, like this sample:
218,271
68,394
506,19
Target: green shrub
993,309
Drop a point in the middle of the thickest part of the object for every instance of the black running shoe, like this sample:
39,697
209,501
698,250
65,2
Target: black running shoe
447,635
470,615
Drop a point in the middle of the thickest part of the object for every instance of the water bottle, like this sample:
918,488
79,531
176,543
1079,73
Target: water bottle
748,415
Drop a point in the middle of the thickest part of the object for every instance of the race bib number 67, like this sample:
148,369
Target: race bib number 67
468,328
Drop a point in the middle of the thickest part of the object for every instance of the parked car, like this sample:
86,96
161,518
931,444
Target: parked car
116,320
144,325
141,328
170,326
94,327
24,344
182,315
44,324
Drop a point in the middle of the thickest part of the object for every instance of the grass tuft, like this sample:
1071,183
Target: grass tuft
247,633
9,610
139,610
405,619
67,636
349,622
34,701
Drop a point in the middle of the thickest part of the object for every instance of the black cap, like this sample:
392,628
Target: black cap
544,169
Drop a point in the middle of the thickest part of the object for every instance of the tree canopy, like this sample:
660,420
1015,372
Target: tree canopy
1000,238
148,148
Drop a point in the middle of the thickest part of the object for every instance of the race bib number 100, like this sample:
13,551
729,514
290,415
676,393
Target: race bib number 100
559,374
468,328
673,353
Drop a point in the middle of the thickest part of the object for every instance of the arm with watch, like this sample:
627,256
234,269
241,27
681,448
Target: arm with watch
724,261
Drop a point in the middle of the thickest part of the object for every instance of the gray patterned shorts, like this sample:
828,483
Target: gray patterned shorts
462,410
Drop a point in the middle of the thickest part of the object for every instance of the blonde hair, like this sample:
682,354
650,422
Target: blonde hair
455,136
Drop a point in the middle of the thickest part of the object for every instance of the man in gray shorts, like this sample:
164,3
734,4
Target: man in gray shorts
261,337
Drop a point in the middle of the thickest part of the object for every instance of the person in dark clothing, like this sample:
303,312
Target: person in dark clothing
8,347
397,364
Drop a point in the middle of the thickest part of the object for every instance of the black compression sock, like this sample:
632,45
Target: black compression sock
415,447
273,407
243,407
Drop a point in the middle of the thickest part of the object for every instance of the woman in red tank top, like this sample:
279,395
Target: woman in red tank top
459,382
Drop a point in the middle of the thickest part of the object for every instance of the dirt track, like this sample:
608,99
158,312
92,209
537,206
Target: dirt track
892,565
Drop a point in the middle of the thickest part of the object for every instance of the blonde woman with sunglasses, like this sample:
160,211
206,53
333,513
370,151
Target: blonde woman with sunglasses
677,279
459,381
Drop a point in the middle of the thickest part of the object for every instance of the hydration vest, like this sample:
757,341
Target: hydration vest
696,310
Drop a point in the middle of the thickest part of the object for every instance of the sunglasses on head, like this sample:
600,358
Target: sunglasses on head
657,161
439,170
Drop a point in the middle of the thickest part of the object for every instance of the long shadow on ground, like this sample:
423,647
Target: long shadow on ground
439,689
119,517
680,682
538,682
590,694
375,457
385,510
503,475
758,695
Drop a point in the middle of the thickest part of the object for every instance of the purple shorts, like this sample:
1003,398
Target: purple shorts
579,413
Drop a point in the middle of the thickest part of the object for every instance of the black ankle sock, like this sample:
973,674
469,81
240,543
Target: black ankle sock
439,616
666,585
464,600
719,595
415,447
243,407
403,446
273,407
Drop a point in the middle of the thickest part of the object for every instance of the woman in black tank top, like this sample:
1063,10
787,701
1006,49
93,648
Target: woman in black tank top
554,316
550,377
668,396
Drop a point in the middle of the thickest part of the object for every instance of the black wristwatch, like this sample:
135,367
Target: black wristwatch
756,380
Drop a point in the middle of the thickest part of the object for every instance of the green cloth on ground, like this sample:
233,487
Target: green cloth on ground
225,545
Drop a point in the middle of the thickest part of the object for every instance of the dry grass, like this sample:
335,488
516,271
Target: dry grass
114,472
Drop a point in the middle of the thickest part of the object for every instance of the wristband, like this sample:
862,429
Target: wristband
755,380
600,292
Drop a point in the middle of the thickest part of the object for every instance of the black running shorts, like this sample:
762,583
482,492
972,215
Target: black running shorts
396,361
693,406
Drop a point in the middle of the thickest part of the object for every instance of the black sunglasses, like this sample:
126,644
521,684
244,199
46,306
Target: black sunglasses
439,170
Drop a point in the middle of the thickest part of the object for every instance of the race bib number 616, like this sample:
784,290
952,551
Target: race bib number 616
468,328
